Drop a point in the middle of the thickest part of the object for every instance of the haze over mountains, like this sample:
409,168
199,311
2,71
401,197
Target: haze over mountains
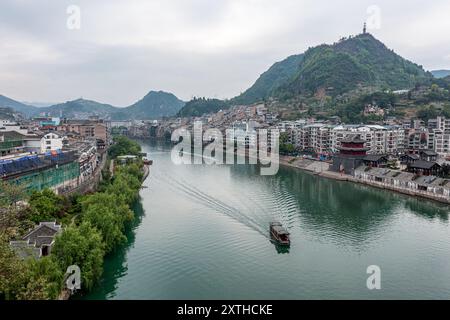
155,105
440,73
350,63
25,109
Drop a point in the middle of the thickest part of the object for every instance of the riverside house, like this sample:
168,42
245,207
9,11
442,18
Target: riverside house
405,182
38,242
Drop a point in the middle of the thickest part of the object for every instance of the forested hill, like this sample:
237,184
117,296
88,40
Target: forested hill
352,62
200,106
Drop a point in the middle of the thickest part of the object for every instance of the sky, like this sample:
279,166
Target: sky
116,51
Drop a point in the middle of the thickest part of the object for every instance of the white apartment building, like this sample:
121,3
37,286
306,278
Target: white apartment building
416,139
51,142
442,143
443,124
315,137
379,139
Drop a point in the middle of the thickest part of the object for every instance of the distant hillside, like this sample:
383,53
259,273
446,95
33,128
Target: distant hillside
79,108
154,105
440,73
25,109
200,106
278,75
7,114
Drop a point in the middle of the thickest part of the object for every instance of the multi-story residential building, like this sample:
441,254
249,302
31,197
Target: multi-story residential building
443,124
379,139
416,139
52,141
442,143
97,129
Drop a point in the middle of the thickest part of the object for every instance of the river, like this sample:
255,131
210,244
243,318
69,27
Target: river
201,232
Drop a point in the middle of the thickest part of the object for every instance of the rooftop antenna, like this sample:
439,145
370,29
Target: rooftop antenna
365,28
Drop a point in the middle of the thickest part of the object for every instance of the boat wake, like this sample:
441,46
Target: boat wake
252,208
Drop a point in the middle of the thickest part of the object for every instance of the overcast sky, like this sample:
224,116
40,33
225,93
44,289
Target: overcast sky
213,48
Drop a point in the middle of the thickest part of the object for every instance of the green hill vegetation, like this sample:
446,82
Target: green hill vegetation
360,61
355,62
271,80
200,106
155,105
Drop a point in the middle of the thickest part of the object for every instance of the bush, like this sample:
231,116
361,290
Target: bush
124,146
46,205
81,246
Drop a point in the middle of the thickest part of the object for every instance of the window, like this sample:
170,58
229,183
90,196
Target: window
48,142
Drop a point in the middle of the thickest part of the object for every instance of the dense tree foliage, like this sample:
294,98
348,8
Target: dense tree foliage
46,205
28,279
10,194
286,148
360,60
96,225
108,214
81,246
200,106
271,80
124,146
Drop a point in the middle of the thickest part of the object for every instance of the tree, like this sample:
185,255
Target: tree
124,146
108,214
81,246
12,272
46,205
12,218
427,113
44,280
10,194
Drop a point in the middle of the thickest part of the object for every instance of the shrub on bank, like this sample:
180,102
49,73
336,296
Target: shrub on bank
99,228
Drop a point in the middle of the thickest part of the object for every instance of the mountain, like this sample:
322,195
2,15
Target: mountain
25,109
155,105
359,61
278,75
440,73
39,104
7,114
80,109
200,106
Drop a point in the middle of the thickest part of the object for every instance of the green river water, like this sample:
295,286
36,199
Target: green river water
201,232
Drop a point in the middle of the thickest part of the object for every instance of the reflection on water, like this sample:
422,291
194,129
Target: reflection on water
115,266
205,235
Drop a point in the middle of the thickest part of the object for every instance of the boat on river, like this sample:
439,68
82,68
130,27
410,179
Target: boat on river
279,234
148,162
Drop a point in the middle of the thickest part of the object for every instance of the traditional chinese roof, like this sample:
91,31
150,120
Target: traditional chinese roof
375,157
44,229
421,164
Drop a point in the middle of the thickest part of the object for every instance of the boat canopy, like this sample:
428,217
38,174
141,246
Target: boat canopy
280,230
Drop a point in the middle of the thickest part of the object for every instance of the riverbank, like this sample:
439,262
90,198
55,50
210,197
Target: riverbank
321,168
146,169
340,227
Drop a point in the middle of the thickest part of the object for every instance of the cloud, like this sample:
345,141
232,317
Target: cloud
196,47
